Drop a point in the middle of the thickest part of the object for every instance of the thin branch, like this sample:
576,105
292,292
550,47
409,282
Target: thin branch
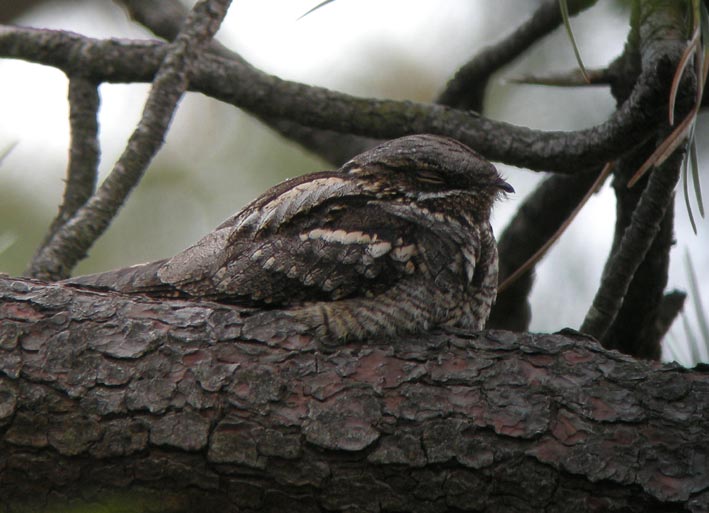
72,241
267,96
628,331
82,170
466,89
635,331
570,78
636,241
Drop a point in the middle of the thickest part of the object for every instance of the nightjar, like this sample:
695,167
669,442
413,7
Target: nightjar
398,240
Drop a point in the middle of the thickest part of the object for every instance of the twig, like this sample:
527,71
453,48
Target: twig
172,76
571,78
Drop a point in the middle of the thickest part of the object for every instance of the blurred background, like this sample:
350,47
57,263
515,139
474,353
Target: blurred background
216,158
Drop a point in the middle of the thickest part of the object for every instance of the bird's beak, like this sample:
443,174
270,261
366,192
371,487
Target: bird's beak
501,184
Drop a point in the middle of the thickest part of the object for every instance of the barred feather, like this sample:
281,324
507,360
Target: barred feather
398,240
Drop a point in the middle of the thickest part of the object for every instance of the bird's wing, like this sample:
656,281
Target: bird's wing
296,196
317,237
335,248
193,270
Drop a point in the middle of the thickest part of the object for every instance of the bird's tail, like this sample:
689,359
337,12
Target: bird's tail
136,279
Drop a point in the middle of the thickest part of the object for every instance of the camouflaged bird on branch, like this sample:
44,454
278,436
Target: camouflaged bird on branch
398,240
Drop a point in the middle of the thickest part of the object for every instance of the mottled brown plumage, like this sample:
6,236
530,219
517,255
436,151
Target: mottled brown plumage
398,240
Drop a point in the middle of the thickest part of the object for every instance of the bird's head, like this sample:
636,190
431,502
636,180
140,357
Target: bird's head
426,165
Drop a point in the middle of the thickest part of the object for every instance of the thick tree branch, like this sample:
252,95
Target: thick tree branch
268,96
70,243
105,396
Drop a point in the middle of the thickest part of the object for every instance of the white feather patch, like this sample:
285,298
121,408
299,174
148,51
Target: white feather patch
378,249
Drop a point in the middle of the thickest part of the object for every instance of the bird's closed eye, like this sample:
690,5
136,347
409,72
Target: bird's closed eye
429,177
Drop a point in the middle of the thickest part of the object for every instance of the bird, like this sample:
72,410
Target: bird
397,241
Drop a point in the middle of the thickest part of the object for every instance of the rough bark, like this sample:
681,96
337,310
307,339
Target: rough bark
126,402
